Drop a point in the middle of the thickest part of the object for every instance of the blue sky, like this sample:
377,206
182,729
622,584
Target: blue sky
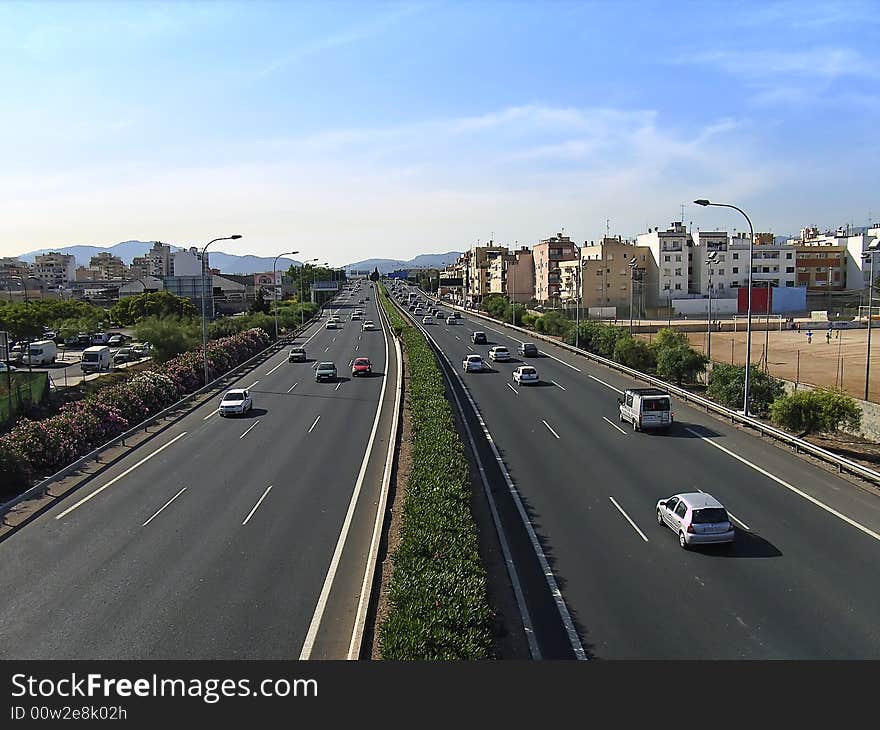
356,130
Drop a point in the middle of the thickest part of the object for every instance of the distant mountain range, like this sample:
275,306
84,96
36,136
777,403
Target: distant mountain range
232,264
422,261
127,250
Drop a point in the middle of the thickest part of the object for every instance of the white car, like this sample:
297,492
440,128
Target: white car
427,319
450,320
368,325
499,353
331,325
473,364
525,374
355,317
237,401
698,519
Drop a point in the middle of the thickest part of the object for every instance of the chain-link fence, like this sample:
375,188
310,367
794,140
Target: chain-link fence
20,391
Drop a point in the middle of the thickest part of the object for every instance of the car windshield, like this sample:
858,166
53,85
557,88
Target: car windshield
528,371
709,515
361,361
655,404
326,366
90,356
234,396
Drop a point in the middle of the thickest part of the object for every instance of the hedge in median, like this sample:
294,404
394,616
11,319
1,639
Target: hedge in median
439,607
36,449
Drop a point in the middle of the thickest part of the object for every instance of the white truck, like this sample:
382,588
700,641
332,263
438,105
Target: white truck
95,359
42,352
646,408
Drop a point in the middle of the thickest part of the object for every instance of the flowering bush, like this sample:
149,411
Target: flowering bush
39,448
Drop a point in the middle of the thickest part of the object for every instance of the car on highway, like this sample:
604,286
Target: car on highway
646,408
355,317
499,353
450,320
124,354
473,364
527,349
325,371
525,374
237,401
297,353
361,366
331,325
697,518
479,338
368,325
457,315
427,319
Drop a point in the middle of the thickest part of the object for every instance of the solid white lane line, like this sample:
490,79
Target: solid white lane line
212,413
259,502
337,386
614,424
562,361
634,525
249,430
512,388
116,479
551,430
163,507
557,385
311,635
292,387
731,515
785,484
275,368
605,384
314,424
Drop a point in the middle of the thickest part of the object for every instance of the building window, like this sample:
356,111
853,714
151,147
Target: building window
735,256
666,259
789,269
678,287
720,272
678,272
788,255
736,269
678,259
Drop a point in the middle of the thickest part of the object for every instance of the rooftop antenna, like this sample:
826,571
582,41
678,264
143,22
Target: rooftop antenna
682,213
607,228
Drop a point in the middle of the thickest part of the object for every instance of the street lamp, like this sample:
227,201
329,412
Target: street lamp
869,254
204,296
632,278
711,258
275,287
704,202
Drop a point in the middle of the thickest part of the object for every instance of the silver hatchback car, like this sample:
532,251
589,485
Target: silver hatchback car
698,519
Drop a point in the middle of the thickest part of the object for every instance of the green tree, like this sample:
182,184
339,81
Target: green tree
129,310
816,411
375,276
727,387
260,304
169,336
679,363
494,305
633,353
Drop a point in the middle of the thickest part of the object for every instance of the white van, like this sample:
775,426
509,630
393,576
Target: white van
95,359
42,352
646,408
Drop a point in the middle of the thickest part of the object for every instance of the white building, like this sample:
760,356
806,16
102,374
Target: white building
55,269
771,262
187,263
855,242
671,251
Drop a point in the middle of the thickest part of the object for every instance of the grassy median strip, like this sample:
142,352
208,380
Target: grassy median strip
438,604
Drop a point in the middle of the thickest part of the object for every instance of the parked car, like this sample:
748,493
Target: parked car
473,364
100,338
95,359
142,350
361,366
4,367
499,353
325,371
527,349
237,401
697,518
525,374
479,338
42,352
116,340
297,354
646,408
124,354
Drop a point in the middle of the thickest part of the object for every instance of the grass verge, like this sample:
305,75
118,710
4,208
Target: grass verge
438,602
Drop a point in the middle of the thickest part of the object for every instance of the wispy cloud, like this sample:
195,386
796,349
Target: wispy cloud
820,61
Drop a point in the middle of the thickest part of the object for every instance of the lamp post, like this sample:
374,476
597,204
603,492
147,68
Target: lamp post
632,279
704,202
204,295
711,258
869,254
275,287
577,300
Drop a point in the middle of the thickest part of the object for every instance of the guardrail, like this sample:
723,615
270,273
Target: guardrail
95,454
799,445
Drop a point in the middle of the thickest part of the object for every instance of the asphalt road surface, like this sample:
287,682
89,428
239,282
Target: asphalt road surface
801,580
214,540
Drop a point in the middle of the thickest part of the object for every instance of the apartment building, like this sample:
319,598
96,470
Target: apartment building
11,269
188,263
513,274
106,267
854,271
772,264
608,280
671,256
452,280
547,257
477,279
55,269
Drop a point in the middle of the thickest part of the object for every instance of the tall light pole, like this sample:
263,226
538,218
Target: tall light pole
704,202
577,301
869,254
711,258
204,296
632,279
275,288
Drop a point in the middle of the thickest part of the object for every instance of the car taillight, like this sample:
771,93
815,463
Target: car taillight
691,528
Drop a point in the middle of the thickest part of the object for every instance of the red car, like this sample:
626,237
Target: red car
362,366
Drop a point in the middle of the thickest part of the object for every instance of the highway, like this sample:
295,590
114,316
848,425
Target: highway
800,582
220,538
